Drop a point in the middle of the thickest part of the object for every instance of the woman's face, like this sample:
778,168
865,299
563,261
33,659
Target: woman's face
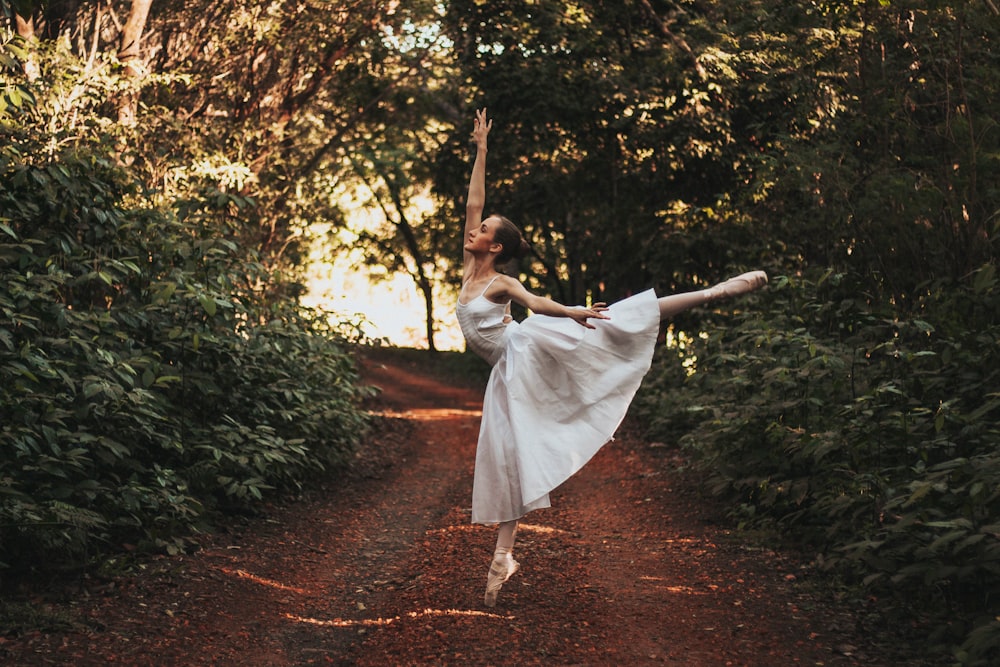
481,239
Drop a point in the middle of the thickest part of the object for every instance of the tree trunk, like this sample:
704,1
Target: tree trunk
423,280
427,288
130,57
26,30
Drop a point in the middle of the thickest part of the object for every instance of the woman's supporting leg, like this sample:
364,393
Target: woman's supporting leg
506,535
672,304
503,566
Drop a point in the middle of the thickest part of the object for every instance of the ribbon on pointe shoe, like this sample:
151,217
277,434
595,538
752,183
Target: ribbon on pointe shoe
501,569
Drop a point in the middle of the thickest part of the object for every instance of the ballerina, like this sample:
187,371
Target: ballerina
562,380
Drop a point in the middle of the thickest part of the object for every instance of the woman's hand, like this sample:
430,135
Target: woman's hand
595,312
481,128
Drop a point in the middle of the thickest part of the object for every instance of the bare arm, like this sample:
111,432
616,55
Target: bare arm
476,201
541,305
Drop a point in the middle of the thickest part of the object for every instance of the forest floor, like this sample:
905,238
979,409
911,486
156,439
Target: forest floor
631,566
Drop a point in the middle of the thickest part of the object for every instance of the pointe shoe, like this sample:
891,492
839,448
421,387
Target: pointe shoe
741,284
501,569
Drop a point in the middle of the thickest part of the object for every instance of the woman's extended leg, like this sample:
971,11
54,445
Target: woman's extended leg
503,566
672,304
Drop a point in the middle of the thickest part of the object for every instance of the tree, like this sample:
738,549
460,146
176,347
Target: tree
22,15
613,143
130,56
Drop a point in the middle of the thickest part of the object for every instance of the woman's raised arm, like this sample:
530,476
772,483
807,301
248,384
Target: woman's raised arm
476,200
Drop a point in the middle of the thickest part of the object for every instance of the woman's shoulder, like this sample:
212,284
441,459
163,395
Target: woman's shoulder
501,287
496,288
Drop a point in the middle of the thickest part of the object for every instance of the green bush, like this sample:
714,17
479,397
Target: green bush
871,439
143,380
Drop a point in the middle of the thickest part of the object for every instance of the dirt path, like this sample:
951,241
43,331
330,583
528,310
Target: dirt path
385,569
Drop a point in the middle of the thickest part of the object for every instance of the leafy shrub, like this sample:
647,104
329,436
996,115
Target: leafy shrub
144,380
871,438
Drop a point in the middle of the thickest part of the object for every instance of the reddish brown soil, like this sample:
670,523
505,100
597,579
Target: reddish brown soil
384,568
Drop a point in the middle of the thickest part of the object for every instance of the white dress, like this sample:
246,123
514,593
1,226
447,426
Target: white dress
557,393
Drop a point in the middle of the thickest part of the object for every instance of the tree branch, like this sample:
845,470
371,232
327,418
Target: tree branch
679,42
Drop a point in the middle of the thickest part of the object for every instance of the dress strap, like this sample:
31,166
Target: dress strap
483,293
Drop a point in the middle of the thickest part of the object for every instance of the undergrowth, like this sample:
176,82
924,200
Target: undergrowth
870,439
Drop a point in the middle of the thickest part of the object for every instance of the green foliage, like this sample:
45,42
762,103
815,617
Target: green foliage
143,380
870,438
610,142
14,95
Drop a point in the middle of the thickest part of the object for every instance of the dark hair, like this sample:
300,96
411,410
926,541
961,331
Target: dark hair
509,236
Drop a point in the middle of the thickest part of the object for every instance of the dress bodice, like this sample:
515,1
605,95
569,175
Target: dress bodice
483,324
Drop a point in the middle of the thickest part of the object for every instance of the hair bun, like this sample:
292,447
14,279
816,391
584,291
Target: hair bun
509,236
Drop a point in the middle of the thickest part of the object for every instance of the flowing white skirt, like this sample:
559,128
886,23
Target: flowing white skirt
555,397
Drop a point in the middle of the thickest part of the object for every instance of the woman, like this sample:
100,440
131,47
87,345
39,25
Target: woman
562,380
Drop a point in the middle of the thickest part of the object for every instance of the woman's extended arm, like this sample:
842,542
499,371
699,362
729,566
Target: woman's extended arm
541,305
476,201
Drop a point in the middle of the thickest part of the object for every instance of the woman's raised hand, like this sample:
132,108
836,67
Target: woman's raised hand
481,128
